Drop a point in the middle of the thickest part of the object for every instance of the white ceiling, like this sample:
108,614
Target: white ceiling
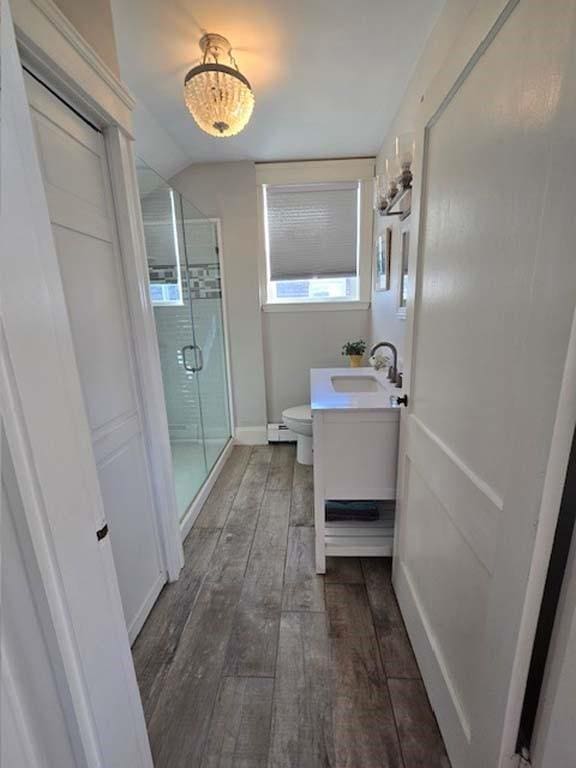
328,75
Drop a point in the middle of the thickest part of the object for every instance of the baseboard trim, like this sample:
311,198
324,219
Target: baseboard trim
194,509
252,435
441,692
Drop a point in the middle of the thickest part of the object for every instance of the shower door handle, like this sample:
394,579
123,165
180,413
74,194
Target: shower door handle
200,357
187,366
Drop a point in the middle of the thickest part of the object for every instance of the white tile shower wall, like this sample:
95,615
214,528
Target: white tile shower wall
208,327
185,391
174,329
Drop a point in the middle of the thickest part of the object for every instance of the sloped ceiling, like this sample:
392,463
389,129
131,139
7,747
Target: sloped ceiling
328,75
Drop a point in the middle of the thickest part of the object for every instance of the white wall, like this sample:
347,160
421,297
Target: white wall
154,144
228,191
93,19
272,353
385,325
294,342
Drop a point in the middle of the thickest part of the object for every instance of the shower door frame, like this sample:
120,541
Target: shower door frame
223,299
195,505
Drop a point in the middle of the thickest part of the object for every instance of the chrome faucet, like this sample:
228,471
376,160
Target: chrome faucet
393,374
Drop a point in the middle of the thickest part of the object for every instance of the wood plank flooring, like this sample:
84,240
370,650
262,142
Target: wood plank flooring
251,660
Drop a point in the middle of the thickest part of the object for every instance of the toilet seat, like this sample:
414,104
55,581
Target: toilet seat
298,413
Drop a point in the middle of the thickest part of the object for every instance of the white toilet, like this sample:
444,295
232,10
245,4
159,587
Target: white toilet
299,420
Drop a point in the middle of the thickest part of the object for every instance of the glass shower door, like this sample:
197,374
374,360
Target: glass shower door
170,295
186,292
203,261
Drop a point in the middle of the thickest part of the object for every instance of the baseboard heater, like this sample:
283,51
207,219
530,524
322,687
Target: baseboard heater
279,433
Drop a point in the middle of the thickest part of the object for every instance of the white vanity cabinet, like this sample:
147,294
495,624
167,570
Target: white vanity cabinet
355,434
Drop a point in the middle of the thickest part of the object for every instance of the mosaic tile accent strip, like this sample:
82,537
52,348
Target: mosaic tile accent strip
162,274
204,279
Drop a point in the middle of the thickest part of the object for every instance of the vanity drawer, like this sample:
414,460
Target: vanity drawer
356,454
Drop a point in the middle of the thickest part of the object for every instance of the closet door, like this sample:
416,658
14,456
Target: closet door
58,505
75,171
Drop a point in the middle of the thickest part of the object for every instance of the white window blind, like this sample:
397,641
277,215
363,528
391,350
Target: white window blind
312,230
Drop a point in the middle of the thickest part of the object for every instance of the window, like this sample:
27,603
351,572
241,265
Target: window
161,233
312,241
313,235
314,289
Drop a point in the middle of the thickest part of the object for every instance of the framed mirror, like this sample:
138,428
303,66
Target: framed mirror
382,260
403,282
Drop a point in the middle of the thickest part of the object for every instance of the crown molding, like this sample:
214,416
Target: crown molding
85,50
52,47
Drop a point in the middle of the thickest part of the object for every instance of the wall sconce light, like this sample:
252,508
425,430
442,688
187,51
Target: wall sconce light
390,186
404,154
386,185
380,186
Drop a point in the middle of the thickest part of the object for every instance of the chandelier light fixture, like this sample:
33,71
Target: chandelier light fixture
218,96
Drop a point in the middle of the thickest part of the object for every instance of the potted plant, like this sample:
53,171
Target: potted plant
354,350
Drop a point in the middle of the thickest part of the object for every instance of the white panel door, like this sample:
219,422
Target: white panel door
75,171
492,315
34,727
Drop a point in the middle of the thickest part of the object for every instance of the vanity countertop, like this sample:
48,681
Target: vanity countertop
325,397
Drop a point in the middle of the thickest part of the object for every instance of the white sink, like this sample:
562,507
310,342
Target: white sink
351,389
355,384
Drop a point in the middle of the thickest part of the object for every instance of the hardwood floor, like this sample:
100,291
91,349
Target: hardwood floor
251,660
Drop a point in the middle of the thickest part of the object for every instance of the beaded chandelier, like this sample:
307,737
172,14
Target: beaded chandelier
219,97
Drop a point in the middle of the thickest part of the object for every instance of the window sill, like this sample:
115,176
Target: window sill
316,306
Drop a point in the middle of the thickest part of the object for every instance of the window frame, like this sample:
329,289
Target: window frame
320,172
403,275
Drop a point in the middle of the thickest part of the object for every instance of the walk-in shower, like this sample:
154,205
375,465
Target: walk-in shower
186,291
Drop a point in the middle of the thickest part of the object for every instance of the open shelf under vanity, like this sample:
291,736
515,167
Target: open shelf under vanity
354,534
